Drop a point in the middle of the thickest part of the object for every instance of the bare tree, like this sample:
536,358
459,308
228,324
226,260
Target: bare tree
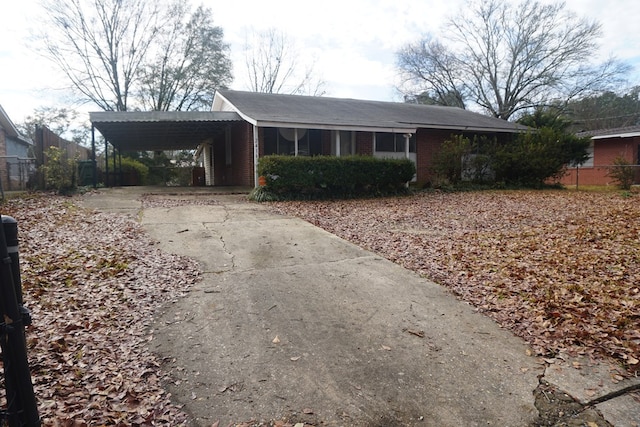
432,67
273,67
100,45
507,58
191,62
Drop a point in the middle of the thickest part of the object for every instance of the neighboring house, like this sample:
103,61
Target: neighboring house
606,146
245,126
16,155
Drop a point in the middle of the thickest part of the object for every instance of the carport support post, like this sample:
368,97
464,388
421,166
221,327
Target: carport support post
93,156
115,174
106,161
255,156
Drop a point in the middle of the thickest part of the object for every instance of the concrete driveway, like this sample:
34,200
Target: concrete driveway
293,323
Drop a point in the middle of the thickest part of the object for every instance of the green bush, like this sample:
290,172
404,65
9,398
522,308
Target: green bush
289,177
59,171
531,159
623,173
461,159
138,169
536,157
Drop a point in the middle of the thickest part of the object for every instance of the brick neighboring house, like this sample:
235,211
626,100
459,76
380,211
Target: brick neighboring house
16,155
606,145
244,126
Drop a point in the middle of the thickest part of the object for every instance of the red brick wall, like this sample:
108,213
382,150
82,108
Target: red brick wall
240,171
604,153
242,155
427,144
326,142
364,143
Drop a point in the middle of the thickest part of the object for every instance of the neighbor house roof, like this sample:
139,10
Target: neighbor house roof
160,130
295,111
623,132
11,129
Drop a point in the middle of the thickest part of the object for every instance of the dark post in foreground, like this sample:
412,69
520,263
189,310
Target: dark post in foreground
21,402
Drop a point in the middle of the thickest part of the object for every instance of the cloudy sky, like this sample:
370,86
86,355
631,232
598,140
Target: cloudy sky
353,42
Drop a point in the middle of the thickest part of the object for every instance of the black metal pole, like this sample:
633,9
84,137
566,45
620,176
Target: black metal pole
106,162
21,402
93,156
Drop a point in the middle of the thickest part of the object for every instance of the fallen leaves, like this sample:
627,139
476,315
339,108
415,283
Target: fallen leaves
558,268
93,282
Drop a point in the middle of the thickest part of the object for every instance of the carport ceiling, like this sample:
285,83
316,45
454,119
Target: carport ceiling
160,130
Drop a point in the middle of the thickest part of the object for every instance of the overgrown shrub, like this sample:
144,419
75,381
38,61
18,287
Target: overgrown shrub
289,177
623,173
447,161
138,169
531,159
462,159
59,171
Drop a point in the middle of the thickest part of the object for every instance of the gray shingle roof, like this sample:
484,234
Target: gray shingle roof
613,132
273,109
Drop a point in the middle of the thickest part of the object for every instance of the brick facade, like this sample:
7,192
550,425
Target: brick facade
364,143
239,172
605,152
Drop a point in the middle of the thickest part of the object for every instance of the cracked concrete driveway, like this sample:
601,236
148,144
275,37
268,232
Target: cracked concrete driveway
360,341
291,322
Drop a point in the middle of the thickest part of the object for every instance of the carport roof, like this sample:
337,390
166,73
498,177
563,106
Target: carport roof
160,130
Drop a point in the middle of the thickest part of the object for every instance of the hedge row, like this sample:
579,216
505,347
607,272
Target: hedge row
288,177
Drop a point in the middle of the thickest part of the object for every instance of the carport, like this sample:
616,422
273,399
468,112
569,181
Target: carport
130,131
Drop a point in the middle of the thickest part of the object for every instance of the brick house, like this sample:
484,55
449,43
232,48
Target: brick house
304,125
606,146
244,126
16,155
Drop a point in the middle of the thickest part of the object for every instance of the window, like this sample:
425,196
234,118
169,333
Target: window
282,141
347,142
394,142
589,162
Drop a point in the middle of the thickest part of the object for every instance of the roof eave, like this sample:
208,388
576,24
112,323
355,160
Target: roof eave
619,135
336,126
219,102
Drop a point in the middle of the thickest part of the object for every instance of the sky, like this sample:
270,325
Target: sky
351,42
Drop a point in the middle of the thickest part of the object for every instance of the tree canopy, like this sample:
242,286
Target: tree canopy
128,54
507,58
190,64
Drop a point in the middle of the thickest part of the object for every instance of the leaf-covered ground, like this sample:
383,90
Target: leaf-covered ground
93,282
560,269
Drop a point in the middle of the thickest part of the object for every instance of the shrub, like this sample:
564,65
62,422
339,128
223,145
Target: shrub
462,159
447,161
59,171
334,177
138,169
623,173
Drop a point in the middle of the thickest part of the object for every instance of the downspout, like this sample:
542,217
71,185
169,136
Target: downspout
295,145
255,156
